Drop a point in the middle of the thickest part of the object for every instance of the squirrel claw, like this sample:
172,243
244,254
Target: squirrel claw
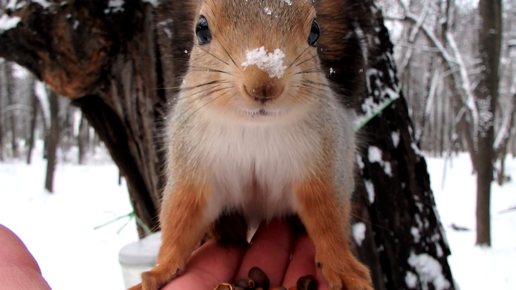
354,277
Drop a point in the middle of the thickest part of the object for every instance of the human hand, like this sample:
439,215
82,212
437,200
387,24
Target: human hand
18,269
272,250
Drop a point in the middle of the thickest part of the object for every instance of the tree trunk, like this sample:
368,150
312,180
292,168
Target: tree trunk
82,139
53,141
490,37
123,97
1,110
9,90
34,117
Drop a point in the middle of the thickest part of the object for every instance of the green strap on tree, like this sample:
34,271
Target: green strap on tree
382,107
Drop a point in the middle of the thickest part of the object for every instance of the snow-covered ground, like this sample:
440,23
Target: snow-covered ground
474,267
58,228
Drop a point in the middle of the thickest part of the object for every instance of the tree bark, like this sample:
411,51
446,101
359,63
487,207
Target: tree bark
124,99
1,110
53,141
9,90
34,117
82,139
490,37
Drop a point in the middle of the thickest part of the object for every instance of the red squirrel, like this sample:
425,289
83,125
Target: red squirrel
259,129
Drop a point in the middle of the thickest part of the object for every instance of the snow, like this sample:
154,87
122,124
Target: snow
267,11
45,4
429,270
370,190
359,233
395,136
411,280
41,93
415,233
115,6
271,63
476,267
375,155
7,22
154,3
58,228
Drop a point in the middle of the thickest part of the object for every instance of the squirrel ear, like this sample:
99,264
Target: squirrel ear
314,33
202,30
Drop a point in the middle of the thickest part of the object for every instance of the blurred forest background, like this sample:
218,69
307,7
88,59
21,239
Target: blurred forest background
436,45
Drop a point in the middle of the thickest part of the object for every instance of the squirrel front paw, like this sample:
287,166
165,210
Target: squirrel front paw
346,274
156,279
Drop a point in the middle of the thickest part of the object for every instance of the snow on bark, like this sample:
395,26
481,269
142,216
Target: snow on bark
411,280
465,82
115,6
370,190
429,270
359,230
7,22
375,155
505,128
45,4
154,3
41,93
395,136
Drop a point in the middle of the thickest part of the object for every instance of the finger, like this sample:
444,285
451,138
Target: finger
302,262
270,251
18,269
210,265
321,281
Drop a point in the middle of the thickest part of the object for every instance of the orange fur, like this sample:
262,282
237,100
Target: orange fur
325,218
182,225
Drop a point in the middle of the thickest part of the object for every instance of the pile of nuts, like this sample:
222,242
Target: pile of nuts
258,280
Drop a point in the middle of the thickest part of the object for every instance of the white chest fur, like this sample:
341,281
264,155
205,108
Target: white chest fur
252,166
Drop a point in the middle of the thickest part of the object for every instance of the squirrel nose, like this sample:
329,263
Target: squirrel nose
260,86
263,93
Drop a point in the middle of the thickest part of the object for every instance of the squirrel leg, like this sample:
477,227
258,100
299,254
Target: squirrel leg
325,216
183,225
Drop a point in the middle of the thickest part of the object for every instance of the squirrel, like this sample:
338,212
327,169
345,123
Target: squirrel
260,128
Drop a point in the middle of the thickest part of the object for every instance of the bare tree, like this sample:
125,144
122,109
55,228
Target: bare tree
34,117
82,139
53,141
11,109
2,63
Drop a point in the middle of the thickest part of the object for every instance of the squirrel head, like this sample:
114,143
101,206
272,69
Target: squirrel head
255,59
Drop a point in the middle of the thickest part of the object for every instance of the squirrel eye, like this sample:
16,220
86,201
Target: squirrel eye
203,31
314,33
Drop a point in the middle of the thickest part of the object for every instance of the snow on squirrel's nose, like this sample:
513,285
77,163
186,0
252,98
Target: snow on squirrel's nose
269,62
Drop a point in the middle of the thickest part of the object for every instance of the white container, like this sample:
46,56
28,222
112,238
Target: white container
138,257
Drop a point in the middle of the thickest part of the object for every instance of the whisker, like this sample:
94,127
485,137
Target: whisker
298,56
207,69
216,90
204,84
313,83
309,71
229,55
313,56
197,110
212,55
